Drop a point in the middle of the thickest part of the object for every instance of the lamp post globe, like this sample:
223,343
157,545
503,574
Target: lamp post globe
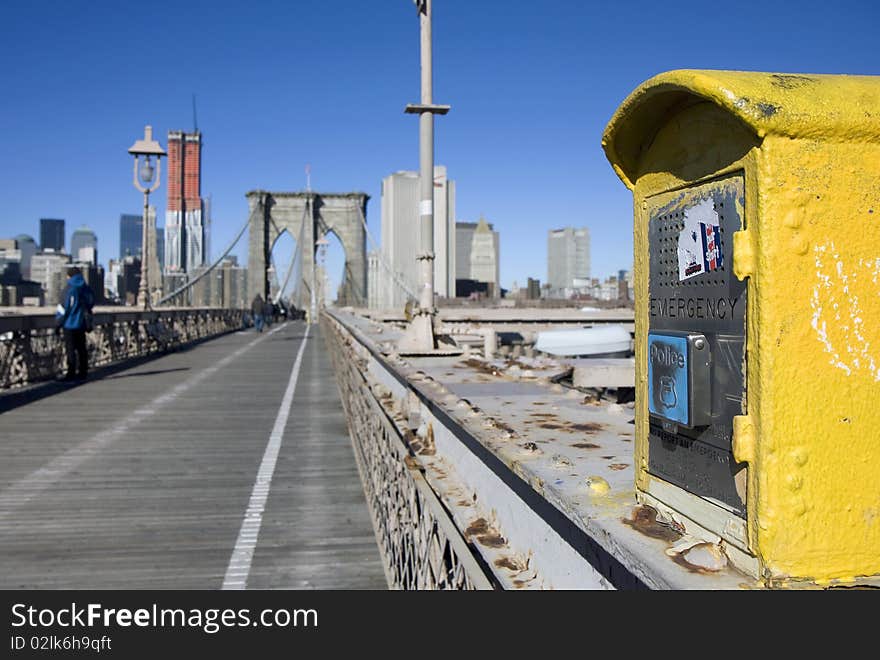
146,179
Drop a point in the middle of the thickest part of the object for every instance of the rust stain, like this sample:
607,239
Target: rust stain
644,520
692,568
479,526
482,367
587,427
504,427
586,445
492,540
681,561
767,109
552,423
485,534
789,81
422,446
618,466
510,564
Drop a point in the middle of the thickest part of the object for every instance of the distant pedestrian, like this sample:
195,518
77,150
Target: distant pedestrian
269,312
75,318
257,311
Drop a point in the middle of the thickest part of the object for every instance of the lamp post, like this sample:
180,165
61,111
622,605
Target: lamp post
322,244
420,334
146,179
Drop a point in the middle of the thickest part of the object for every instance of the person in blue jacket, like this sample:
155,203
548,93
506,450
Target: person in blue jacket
75,320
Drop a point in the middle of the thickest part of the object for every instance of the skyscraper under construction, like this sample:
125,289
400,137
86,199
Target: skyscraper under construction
185,239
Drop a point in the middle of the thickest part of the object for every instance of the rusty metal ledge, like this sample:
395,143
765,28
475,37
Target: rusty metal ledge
571,488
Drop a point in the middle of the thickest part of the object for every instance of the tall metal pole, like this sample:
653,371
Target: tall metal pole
420,334
426,168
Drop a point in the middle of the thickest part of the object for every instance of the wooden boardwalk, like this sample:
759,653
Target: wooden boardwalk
140,479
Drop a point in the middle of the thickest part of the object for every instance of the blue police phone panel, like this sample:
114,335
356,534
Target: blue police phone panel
668,377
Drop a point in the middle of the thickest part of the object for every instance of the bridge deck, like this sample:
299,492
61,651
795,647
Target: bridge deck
142,478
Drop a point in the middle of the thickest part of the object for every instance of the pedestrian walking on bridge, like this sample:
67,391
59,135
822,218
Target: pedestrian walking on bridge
75,318
269,312
257,311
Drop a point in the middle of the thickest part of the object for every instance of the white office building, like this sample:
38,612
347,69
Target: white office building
568,260
401,237
49,268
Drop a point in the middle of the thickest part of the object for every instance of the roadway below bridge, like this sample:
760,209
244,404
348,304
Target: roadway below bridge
227,465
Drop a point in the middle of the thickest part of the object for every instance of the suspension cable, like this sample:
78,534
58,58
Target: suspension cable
398,277
190,282
296,252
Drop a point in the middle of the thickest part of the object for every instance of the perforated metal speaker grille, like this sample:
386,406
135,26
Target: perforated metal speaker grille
714,304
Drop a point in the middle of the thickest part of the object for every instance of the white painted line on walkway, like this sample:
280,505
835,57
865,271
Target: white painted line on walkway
243,553
24,490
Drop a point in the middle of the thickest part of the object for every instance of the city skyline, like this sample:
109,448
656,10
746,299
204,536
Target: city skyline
533,166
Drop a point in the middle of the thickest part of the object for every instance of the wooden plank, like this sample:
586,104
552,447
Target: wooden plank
159,504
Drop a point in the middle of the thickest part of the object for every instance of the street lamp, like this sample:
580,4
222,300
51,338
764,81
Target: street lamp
146,179
322,244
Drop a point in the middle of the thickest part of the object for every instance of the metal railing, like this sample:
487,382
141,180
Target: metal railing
31,350
420,545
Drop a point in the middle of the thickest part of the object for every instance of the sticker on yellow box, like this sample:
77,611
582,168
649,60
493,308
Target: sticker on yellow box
699,242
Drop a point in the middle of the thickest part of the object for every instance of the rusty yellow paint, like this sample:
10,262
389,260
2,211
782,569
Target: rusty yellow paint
808,148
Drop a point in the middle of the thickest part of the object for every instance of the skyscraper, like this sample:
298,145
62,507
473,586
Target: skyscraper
184,218
28,247
568,259
160,248
464,236
48,268
83,237
131,228
487,264
484,254
401,235
51,234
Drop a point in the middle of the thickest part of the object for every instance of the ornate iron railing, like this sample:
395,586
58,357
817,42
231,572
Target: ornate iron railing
31,349
421,546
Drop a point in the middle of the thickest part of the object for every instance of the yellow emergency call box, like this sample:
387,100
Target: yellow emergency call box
757,286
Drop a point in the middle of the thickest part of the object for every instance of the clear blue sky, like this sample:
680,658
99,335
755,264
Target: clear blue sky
281,84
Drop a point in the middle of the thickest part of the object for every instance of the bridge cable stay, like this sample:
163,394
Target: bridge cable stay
190,282
396,276
297,252
358,298
275,281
